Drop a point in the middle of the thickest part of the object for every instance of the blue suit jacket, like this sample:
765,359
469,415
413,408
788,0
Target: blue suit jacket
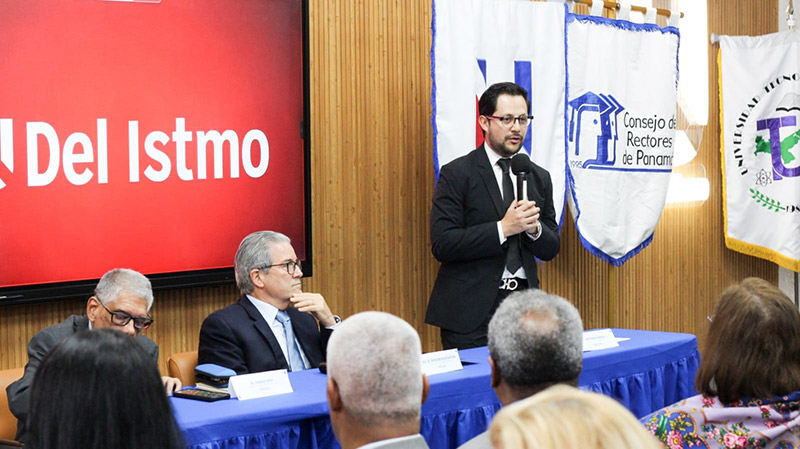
238,337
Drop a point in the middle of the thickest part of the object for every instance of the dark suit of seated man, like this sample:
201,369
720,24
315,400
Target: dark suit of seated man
253,334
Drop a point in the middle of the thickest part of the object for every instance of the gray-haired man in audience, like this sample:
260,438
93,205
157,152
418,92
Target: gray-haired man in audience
535,341
375,383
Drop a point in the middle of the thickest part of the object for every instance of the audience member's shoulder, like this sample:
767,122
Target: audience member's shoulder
661,422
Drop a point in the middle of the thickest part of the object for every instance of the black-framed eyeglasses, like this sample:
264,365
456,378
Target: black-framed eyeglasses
508,120
121,318
290,265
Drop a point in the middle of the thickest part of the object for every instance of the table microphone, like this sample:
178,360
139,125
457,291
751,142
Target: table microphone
520,166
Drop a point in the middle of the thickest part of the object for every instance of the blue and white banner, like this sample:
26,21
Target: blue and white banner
621,87
760,91
477,43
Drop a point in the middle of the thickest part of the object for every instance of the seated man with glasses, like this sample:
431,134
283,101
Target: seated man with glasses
121,301
274,323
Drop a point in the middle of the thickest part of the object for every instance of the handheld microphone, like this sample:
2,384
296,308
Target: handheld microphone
520,166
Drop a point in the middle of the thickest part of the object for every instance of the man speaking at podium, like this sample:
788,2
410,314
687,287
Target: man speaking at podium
486,239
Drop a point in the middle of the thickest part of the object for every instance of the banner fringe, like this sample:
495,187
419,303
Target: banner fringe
568,175
617,262
433,95
762,253
722,147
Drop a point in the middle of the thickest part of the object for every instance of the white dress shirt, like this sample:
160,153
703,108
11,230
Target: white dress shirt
498,175
389,441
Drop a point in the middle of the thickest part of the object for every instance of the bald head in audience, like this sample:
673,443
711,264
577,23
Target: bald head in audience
375,382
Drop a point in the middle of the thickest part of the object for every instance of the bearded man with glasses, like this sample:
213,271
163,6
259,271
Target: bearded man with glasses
486,239
121,301
274,323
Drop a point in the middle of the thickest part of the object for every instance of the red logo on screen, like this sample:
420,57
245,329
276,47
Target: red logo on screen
6,147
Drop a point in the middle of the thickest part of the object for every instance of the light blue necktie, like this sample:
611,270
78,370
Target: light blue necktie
295,359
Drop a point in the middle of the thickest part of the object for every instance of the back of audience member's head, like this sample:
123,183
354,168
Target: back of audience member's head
97,390
375,359
565,417
536,340
753,345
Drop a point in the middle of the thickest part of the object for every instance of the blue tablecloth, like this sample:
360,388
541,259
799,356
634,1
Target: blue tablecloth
646,373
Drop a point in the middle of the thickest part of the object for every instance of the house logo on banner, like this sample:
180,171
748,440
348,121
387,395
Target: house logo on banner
594,134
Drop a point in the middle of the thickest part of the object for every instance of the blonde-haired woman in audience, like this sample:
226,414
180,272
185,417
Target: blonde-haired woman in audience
565,417
749,377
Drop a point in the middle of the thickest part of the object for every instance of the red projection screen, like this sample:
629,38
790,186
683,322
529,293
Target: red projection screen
148,135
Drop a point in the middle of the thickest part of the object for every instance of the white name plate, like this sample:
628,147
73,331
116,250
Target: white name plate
441,362
599,339
259,385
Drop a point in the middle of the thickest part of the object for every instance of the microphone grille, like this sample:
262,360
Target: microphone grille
520,163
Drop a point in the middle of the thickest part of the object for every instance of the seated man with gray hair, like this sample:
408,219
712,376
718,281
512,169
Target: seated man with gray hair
375,383
121,301
274,323
535,341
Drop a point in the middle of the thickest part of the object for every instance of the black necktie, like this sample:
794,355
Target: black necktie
514,256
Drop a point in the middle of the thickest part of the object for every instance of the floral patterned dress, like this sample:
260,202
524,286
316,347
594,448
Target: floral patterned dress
703,422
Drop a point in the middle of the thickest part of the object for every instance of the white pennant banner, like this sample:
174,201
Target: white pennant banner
760,90
621,87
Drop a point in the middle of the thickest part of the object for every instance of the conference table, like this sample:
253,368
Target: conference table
649,370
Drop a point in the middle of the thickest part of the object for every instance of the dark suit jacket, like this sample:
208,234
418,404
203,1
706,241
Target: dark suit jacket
19,392
467,204
238,337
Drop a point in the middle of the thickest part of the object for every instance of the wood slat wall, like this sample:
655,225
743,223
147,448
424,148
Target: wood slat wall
372,182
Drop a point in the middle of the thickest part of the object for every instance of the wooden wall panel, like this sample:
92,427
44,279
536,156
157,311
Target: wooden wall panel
372,183
372,168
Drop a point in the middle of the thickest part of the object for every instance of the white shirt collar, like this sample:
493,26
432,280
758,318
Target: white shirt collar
391,440
493,157
267,310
